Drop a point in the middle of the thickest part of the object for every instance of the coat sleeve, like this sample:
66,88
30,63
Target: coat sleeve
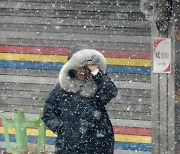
51,114
106,88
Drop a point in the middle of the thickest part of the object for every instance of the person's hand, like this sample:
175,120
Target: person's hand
92,67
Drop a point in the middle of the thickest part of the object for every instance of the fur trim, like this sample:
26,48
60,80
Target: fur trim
79,59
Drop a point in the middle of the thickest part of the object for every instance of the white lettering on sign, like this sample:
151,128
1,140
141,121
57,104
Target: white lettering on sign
162,55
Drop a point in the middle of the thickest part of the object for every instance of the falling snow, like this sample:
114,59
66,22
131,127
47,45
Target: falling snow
35,39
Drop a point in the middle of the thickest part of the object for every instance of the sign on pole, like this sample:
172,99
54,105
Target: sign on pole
162,55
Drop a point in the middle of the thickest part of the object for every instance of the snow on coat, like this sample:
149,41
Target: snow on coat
75,110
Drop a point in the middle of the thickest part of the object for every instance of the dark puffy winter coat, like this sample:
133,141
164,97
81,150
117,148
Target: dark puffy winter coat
81,122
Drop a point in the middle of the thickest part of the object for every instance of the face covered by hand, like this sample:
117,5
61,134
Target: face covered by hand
82,73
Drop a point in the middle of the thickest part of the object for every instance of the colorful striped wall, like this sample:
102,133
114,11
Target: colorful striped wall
126,138
119,61
133,62
126,62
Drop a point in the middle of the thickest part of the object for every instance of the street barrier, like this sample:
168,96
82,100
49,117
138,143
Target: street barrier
20,123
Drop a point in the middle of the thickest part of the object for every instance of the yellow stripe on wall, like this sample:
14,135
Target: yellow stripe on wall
128,62
30,131
118,137
63,59
133,138
177,99
32,57
178,36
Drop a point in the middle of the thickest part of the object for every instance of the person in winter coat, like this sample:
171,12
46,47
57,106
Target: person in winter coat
75,108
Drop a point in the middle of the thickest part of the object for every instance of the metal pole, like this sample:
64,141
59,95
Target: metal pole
163,85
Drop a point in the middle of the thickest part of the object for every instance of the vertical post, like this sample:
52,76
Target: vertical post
155,122
163,111
41,132
21,136
5,127
163,87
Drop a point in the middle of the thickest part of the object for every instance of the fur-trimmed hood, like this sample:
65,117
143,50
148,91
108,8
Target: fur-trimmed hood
79,59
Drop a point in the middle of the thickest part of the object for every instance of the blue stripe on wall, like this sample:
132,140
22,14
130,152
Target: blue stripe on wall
118,145
133,146
57,66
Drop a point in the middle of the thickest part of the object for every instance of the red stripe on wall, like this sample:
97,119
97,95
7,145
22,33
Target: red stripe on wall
0,122
65,51
126,54
177,92
132,130
125,130
34,50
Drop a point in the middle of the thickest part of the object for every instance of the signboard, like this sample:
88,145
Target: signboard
162,55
